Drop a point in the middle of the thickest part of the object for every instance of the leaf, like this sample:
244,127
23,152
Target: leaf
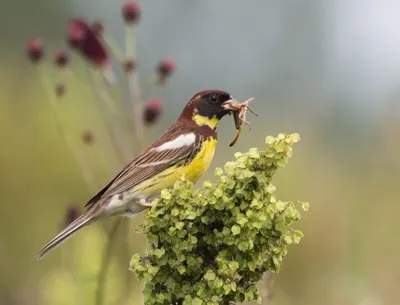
270,140
218,172
253,153
210,276
241,219
181,269
235,230
304,205
159,252
179,225
165,194
234,265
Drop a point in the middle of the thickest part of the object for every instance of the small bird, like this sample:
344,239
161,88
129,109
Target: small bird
184,151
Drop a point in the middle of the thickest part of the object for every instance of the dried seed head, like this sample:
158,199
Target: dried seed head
88,137
129,65
60,58
83,39
165,68
34,50
131,11
152,111
60,90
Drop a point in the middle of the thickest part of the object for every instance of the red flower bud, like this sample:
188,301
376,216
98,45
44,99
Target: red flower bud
165,68
129,65
60,58
152,111
88,137
34,50
83,39
131,11
60,90
76,32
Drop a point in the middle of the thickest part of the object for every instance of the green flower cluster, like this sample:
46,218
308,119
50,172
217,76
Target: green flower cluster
211,246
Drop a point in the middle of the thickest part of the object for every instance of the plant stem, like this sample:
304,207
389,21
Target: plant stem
101,280
138,128
85,171
134,87
266,289
149,85
137,108
100,94
113,46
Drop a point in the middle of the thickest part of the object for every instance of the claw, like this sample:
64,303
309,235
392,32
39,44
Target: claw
144,203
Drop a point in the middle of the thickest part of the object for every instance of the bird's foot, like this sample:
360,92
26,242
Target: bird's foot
144,203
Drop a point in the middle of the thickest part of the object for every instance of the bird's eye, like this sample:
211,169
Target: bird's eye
214,98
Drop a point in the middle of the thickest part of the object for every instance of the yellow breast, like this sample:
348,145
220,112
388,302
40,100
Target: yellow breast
191,171
201,162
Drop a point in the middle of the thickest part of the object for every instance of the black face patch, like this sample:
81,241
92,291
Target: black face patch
210,105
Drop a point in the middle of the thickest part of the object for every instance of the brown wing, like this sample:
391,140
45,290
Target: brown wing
146,165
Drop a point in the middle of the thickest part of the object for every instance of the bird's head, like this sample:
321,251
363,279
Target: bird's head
208,107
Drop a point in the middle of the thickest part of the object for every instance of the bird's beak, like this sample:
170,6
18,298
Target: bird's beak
231,105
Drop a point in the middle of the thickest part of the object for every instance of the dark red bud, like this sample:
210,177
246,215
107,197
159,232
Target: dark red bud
131,11
82,38
71,214
97,27
76,32
152,111
60,58
129,65
60,90
165,68
34,50
88,137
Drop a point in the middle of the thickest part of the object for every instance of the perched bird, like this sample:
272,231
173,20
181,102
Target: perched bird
185,151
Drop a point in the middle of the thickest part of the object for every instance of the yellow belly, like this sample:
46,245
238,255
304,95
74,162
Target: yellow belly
191,171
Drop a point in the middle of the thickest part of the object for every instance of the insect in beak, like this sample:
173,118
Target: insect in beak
231,105
239,115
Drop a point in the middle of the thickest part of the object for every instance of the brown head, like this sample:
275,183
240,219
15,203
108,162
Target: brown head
207,108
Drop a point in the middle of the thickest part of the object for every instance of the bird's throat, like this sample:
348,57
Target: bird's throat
203,120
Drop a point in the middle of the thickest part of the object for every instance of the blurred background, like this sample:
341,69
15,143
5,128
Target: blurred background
328,70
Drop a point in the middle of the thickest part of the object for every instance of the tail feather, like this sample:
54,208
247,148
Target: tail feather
72,228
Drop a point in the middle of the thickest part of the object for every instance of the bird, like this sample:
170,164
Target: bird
184,151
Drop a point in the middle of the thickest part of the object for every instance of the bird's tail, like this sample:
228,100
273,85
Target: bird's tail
75,226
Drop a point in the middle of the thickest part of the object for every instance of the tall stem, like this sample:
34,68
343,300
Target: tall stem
113,46
105,263
134,87
87,175
100,94
266,289
136,101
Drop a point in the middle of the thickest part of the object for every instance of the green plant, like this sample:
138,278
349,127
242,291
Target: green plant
212,245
